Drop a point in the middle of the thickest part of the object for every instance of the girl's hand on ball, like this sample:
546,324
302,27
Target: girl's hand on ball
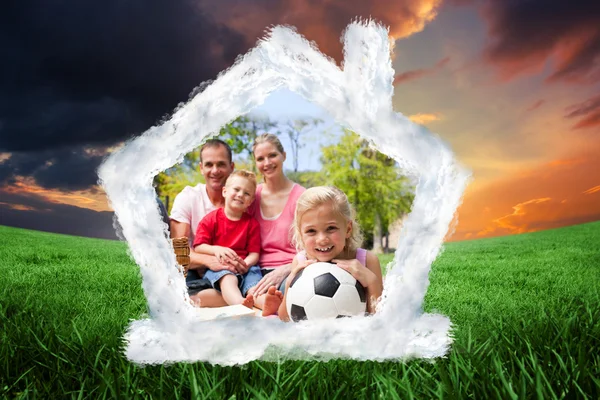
357,270
302,265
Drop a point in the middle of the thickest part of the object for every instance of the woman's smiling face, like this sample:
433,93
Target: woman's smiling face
269,160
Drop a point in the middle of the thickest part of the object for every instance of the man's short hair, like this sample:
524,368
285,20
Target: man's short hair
216,143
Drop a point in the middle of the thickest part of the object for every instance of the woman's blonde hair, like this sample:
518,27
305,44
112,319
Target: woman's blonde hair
268,138
317,196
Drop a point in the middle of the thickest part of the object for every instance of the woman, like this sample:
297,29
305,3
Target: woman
274,208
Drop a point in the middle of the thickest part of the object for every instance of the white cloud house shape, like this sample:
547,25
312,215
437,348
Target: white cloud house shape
359,97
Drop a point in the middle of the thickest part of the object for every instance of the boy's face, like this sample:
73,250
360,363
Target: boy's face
238,193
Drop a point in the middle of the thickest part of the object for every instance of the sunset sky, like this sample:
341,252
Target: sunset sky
512,86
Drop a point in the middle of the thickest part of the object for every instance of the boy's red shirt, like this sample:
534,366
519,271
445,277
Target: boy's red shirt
241,236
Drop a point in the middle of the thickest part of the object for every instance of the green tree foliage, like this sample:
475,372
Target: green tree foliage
307,179
371,180
172,181
240,135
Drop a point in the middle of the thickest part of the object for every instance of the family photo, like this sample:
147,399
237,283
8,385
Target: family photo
248,231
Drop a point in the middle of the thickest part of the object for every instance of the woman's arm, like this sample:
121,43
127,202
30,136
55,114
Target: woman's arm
273,278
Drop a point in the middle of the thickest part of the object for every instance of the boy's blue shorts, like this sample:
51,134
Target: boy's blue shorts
197,284
245,282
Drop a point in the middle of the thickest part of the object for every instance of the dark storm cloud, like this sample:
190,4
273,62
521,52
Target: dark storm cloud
526,34
32,212
71,168
76,74
97,72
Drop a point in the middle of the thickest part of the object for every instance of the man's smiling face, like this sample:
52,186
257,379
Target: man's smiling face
216,167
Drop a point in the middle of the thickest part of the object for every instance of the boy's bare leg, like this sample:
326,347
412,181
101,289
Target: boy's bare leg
269,302
231,292
208,298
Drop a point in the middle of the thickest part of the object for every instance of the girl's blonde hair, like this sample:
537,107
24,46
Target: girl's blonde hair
317,196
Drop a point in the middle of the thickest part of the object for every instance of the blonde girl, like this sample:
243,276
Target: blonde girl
325,230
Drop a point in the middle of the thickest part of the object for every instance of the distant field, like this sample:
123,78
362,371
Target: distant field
526,311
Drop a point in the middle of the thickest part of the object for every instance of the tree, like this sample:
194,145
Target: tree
240,135
297,128
371,180
171,182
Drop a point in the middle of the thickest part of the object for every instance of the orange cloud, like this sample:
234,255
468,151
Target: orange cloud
94,199
19,207
424,119
588,110
419,73
536,105
592,120
592,190
322,22
518,220
561,193
572,161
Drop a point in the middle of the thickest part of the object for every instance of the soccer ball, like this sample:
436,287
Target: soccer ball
324,290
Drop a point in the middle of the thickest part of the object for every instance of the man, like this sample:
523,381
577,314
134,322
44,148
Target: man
190,206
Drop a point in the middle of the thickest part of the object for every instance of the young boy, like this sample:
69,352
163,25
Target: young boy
230,232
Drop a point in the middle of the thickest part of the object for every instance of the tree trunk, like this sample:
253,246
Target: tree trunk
387,242
377,236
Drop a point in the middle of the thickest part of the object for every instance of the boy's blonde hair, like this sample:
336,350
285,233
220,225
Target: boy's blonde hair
317,196
242,173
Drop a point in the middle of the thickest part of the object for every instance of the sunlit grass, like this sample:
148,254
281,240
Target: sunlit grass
525,309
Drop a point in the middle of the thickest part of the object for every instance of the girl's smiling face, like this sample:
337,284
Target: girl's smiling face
324,232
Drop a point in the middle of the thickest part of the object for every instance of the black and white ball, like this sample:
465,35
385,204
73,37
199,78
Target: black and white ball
324,290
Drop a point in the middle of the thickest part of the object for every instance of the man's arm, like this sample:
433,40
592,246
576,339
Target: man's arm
220,252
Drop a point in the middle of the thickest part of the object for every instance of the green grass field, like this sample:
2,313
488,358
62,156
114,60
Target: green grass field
526,311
